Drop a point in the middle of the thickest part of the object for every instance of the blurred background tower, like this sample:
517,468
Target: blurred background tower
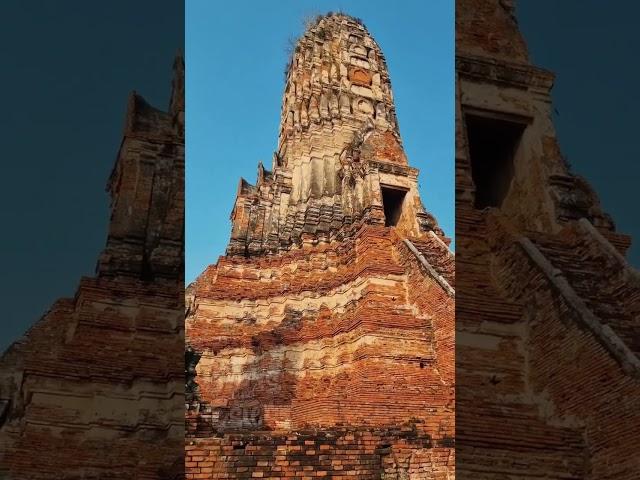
95,388
546,318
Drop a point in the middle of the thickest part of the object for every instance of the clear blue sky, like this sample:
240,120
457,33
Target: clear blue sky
235,59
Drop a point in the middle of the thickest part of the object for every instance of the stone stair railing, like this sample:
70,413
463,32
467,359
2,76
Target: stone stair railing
429,268
602,332
627,270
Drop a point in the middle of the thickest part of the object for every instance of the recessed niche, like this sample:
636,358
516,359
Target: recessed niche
392,201
365,107
359,50
493,144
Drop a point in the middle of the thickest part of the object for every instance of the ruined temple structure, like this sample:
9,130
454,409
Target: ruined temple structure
94,390
321,344
547,333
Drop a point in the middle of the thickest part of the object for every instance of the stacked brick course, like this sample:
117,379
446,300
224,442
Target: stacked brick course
337,454
323,341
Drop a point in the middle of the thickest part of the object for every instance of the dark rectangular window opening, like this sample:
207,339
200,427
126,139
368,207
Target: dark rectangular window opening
392,199
493,144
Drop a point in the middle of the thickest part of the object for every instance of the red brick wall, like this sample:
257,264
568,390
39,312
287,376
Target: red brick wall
405,369
338,454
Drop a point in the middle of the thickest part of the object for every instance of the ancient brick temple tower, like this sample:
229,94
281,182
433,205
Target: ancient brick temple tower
323,340
95,388
547,337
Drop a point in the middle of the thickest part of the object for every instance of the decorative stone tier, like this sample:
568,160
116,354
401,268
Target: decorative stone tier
96,374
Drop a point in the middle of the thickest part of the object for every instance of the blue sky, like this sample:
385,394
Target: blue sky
235,59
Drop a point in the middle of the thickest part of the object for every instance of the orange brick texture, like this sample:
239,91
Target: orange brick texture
336,454
377,363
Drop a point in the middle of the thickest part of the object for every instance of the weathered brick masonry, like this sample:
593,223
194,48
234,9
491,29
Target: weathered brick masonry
336,453
323,341
547,333
95,388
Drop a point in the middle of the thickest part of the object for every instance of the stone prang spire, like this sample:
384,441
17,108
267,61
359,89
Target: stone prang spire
339,150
